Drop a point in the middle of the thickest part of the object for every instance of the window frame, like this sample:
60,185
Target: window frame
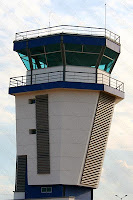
46,190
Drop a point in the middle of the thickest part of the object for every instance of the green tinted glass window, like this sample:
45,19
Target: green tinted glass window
25,60
92,48
49,189
54,59
43,190
73,47
52,48
81,59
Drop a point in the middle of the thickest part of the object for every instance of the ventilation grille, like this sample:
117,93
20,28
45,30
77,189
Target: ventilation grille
98,141
21,173
42,127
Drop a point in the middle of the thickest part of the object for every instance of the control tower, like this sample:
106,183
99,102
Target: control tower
64,107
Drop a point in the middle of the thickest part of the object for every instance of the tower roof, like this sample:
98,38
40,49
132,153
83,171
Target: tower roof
68,45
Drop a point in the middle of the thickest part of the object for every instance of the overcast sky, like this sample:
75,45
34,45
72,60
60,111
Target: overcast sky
21,15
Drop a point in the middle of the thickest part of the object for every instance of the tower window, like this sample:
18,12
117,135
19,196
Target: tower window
49,189
32,101
46,189
32,131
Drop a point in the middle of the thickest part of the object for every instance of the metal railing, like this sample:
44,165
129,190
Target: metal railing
70,76
68,29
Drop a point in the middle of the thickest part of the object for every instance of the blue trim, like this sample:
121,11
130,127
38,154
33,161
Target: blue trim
54,39
19,45
44,41
100,41
53,85
36,42
34,191
58,191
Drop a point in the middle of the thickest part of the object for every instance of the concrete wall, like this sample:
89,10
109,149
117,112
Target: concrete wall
71,114
19,195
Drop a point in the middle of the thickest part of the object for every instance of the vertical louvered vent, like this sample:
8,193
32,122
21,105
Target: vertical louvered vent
98,141
21,173
42,127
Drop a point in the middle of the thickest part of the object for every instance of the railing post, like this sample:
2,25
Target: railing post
96,76
109,80
63,57
31,77
30,59
35,78
10,82
22,80
60,76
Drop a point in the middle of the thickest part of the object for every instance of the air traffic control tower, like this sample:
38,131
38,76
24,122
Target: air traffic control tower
64,107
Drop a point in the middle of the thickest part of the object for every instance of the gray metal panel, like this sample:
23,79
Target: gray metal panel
114,46
42,127
119,94
98,141
21,173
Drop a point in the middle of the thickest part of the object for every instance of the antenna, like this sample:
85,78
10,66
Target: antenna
49,20
105,15
105,18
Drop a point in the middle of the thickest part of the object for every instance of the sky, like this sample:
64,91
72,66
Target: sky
17,16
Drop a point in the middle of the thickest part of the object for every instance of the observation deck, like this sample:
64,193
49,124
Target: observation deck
67,57
81,30
76,78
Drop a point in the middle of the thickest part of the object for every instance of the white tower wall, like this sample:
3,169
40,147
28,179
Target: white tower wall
71,115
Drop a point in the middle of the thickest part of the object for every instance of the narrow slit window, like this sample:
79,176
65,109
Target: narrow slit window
32,131
32,101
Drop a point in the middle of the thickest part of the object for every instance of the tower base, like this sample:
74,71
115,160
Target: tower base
58,192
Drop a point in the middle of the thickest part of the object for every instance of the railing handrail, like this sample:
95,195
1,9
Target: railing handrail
46,28
62,28
101,78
